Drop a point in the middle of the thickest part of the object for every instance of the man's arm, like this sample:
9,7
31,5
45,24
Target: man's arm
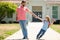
34,15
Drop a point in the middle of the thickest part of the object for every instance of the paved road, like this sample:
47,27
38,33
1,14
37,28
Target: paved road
33,29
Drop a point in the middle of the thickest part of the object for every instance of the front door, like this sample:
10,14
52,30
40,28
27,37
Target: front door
39,14
38,11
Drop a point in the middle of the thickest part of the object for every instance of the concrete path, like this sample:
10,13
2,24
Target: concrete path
33,29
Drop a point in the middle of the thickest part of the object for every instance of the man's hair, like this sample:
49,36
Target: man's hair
23,2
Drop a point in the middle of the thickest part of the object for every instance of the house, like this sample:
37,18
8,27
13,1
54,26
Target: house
41,8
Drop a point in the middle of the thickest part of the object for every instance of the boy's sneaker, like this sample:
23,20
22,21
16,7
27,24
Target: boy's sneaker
24,39
37,38
40,39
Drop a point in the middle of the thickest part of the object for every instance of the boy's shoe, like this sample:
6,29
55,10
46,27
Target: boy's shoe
24,39
40,39
37,38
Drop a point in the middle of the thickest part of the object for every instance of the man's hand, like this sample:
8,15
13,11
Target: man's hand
34,14
39,18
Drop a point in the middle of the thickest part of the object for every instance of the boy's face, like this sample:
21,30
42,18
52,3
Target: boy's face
46,18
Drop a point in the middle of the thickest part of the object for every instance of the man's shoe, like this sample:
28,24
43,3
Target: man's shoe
25,38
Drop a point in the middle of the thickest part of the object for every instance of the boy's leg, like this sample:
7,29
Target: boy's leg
43,32
39,33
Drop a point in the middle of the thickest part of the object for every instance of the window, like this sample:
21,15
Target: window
55,12
9,15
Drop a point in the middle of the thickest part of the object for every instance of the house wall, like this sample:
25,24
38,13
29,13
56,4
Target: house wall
59,12
46,9
38,3
49,10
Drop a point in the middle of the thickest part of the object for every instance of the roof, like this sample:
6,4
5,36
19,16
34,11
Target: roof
47,1
14,1
9,0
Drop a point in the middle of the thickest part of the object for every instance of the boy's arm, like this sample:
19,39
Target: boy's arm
53,20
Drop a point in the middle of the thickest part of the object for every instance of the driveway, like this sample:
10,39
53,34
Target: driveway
33,29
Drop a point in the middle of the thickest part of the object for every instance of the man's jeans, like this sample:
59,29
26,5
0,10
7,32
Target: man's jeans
23,26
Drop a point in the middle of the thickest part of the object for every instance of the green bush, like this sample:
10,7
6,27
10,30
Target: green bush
6,7
1,37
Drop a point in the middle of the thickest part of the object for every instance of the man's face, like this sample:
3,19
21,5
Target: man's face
23,4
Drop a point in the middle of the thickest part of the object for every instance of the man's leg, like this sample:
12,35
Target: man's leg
24,30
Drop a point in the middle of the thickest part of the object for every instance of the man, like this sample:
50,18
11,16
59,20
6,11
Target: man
21,17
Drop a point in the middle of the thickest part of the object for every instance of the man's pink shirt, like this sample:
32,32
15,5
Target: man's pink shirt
21,13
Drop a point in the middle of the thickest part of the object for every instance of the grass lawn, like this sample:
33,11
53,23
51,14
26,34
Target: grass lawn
56,27
7,30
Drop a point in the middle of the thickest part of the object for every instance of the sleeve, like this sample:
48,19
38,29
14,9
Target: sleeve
27,9
43,20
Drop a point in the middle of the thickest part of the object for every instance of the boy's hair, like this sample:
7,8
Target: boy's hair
48,18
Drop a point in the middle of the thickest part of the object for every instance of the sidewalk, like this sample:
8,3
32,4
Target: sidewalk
33,29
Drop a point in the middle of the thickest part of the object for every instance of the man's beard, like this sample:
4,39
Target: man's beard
23,5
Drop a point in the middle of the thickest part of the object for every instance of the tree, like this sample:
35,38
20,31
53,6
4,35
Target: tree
6,7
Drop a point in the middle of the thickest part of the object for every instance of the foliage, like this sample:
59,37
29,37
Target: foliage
6,7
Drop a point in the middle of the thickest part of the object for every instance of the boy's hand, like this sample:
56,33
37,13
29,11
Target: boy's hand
53,20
